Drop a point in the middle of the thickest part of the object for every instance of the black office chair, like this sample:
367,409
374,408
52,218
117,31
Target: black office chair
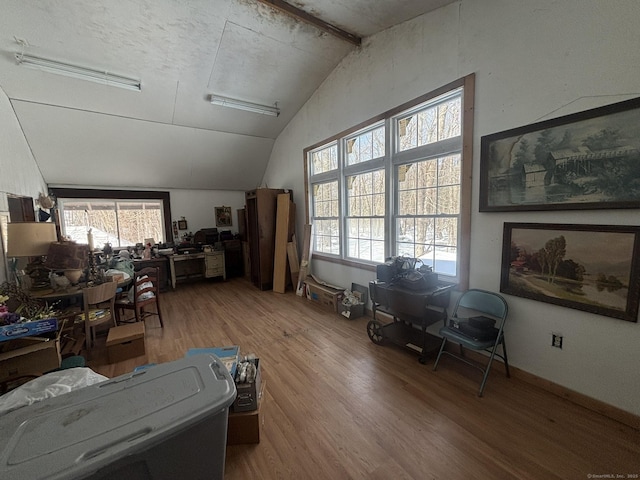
477,308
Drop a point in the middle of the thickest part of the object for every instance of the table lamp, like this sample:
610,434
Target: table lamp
68,257
30,239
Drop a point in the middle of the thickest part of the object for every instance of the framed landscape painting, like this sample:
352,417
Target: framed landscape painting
586,160
586,267
223,216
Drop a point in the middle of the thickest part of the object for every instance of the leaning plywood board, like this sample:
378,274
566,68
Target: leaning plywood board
306,258
294,262
282,238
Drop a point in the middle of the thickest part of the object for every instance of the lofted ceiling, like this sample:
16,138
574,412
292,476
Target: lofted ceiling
169,135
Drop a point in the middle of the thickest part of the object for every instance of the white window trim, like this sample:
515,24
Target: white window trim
441,148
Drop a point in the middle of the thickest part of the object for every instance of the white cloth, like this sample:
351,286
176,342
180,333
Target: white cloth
142,286
50,385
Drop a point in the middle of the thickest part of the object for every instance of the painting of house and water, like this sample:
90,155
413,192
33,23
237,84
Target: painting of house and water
586,160
587,267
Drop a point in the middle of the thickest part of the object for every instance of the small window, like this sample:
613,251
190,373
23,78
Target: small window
324,160
365,216
430,125
365,146
326,218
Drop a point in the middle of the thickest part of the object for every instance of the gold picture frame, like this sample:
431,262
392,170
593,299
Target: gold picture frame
223,216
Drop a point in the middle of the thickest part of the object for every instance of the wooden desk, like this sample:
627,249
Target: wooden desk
196,265
412,312
186,266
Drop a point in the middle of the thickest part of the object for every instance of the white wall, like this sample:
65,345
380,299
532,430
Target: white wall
19,174
198,207
533,61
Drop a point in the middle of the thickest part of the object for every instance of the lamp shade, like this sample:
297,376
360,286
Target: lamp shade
30,239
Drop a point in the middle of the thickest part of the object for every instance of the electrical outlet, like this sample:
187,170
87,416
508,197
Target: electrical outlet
556,340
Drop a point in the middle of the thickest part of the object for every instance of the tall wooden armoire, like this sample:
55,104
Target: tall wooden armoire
260,206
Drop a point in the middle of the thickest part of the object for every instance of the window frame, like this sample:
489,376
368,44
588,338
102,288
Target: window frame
99,194
467,84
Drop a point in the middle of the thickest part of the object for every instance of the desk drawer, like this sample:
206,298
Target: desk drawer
215,272
215,262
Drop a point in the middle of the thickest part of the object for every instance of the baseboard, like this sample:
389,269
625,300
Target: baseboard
585,401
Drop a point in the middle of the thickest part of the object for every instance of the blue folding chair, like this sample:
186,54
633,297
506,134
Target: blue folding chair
481,305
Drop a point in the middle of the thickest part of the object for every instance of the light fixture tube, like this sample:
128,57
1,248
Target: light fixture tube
76,71
247,106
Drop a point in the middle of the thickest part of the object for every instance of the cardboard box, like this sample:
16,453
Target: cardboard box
28,329
125,341
27,356
355,311
352,311
115,277
244,427
247,396
227,355
327,297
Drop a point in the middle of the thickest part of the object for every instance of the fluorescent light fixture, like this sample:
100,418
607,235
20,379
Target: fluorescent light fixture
247,106
76,71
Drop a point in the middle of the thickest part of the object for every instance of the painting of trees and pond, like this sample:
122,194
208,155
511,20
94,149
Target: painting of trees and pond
586,267
586,160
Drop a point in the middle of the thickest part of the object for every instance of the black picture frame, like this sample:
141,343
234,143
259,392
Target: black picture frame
182,225
586,160
593,268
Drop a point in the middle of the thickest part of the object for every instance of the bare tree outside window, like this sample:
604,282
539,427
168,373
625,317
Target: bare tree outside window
394,187
120,223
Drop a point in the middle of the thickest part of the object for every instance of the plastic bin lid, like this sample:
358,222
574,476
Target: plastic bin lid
77,433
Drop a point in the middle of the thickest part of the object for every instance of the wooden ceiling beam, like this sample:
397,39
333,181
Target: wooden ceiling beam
311,20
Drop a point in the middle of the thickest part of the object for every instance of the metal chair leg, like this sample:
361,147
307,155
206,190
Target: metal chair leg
506,362
487,369
435,365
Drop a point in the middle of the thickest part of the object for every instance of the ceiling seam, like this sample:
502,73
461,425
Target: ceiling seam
24,135
215,58
133,118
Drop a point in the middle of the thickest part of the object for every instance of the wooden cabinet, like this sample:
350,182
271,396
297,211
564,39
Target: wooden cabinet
162,263
214,265
234,265
260,211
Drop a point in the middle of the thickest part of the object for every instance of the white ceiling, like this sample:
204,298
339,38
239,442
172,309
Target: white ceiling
169,135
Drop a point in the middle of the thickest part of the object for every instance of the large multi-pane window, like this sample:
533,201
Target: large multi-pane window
121,223
394,186
121,218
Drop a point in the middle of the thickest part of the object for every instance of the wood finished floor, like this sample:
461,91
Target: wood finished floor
337,406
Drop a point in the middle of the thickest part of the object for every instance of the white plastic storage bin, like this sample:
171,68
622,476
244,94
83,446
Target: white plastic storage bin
164,422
